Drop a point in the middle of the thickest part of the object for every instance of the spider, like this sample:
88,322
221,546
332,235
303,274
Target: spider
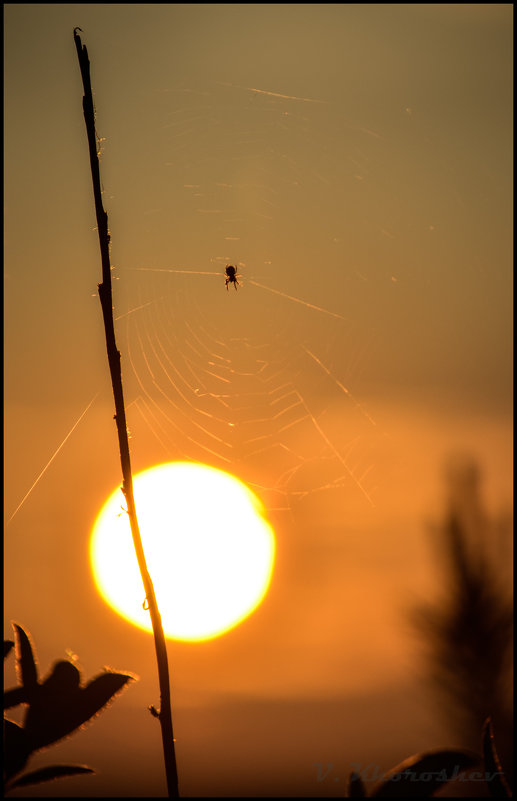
231,276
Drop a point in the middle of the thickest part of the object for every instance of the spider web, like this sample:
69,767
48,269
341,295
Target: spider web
259,381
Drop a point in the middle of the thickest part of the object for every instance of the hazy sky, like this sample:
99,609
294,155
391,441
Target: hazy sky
355,162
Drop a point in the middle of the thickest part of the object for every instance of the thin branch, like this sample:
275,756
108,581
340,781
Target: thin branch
105,295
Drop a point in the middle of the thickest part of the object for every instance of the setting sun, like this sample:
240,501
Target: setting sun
209,550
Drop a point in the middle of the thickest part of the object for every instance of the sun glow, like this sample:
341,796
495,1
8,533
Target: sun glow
208,546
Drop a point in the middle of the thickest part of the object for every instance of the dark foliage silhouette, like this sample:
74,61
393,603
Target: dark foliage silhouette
499,787
56,707
468,633
422,775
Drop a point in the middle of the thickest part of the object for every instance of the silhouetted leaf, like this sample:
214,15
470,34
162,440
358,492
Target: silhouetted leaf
103,688
355,786
15,697
48,774
8,645
61,705
422,774
494,775
56,707
26,662
16,748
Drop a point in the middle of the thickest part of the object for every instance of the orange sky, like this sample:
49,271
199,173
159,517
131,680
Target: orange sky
355,162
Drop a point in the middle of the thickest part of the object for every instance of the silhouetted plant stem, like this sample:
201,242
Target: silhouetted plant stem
105,295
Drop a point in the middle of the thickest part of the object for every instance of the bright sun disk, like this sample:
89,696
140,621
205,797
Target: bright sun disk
208,546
